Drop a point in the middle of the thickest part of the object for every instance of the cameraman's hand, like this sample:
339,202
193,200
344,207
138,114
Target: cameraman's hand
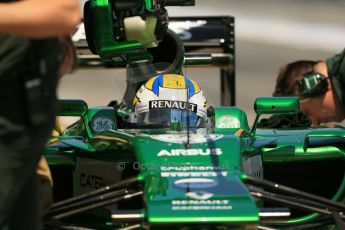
39,18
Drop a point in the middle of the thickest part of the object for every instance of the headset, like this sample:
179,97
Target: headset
313,84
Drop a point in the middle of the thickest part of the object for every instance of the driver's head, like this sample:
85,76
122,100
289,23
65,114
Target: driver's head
170,99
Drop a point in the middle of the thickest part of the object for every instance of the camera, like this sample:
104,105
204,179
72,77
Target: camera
120,30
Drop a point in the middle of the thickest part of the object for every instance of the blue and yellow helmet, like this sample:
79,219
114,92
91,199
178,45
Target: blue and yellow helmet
169,98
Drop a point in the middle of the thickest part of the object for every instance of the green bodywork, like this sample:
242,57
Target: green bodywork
210,167
200,183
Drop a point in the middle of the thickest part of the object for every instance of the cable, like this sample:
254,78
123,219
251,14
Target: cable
295,192
96,192
100,204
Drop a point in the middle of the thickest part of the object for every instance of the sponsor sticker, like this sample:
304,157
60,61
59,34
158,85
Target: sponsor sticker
193,174
190,168
180,205
228,122
195,183
93,174
101,124
166,104
182,138
190,152
199,195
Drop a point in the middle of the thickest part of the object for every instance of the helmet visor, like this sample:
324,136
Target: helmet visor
180,119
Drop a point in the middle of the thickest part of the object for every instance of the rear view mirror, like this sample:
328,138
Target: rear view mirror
73,108
276,105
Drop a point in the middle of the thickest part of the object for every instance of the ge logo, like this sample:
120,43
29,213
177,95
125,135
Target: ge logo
101,124
228,122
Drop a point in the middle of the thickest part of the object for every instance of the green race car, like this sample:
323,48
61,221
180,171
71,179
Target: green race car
187,165
217,178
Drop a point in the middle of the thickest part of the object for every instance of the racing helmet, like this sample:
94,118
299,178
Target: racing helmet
170,100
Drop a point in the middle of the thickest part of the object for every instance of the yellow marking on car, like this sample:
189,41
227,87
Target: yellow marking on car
239,132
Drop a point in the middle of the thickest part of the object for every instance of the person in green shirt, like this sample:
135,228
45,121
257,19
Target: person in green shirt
320,85
30,56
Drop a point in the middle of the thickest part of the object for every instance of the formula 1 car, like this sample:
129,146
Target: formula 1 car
112,174
207,178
